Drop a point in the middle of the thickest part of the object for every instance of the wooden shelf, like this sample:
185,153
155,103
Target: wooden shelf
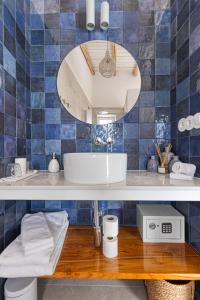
136,260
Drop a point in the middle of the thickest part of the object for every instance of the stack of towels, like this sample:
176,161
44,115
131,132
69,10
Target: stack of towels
183,171
36,251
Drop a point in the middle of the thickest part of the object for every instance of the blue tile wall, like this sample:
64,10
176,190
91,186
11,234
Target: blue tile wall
185,57
185,73
15,104
15,130
143,27
56,28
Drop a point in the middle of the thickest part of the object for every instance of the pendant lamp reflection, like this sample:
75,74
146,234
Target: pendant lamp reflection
107,65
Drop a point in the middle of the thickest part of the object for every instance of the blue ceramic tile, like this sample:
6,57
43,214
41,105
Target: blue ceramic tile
195,103
147,131
52,21
52,146
162,98
72,215
163,66
39,162
37,6
10,218
132,116
37,85
147,114
52,37
52,131
20,20
9,146
116,19
183,148
83,131
183,90
37,204
9,21
69,5
37,100
163,34
162,131
114,204
37,21
37,69
68,146
1,101
50,84
51,6
1,146
69,204
52,205
129,217
131,146
117,147
52,53
194,146
83,146
52,116
9,62
68,131
37,147
145,5
37,131
162,17
37,53
131,131
37,37
52,100
37,116
51,68
84,216
146,99
67,20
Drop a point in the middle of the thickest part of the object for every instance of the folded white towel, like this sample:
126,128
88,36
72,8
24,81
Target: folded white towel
183,168
31,269
14,253
36,234
180,176
40,231
13,179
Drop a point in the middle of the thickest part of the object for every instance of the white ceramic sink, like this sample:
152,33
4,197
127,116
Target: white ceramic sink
95,168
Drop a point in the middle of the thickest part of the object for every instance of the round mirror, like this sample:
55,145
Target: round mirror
99,82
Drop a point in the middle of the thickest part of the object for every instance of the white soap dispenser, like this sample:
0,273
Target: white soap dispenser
53,164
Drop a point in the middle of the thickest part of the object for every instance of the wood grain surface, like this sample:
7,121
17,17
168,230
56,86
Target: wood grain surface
136,260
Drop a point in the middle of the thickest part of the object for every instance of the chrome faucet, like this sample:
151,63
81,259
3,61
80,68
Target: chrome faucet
99,141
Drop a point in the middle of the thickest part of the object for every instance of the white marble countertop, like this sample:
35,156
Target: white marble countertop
139,185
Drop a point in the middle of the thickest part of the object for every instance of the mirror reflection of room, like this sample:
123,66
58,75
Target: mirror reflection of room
99,82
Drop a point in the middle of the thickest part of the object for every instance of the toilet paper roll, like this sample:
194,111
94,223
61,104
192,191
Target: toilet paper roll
22,162
110,226
110,247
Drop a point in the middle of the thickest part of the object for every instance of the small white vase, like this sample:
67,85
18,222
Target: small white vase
54,166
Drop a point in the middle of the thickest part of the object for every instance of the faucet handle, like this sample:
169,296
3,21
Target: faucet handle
98,141
110,140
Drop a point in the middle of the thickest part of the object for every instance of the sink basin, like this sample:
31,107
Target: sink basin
95,168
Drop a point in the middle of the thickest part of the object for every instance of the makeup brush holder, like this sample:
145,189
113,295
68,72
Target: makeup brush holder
163,169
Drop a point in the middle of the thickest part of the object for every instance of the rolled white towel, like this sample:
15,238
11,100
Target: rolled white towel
180,176
36,234
183,168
